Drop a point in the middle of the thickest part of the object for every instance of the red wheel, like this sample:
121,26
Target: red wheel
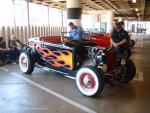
89,81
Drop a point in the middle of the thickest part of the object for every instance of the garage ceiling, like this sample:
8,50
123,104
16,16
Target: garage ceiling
121,8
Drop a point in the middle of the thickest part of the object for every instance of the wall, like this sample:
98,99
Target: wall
23,33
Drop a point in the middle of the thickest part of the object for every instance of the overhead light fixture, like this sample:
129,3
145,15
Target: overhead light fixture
138,14
119,19
136,9
134,1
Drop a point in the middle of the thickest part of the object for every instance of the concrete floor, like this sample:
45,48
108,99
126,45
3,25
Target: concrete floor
36,93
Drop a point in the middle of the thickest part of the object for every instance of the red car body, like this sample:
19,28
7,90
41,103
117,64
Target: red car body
102,40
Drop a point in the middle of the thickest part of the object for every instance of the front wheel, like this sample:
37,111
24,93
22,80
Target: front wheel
89,81
26,63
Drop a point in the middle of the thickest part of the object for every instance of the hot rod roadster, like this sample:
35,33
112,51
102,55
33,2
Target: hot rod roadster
82,60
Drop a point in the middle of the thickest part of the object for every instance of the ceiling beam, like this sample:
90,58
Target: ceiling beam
124,15
94,4
108,2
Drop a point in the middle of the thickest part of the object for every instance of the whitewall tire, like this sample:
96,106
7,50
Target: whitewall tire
89,81
26,63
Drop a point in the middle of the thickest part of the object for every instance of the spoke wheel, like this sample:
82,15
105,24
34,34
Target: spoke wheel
128,71
89,81
26,63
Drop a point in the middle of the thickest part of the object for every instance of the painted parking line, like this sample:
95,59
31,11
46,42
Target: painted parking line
4,69
139,76
139,42
75,104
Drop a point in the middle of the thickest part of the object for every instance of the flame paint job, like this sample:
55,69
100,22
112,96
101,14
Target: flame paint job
60,58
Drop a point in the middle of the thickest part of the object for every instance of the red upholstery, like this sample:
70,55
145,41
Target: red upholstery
52,39
101,40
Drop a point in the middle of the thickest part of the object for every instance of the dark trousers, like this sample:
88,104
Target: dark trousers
11,54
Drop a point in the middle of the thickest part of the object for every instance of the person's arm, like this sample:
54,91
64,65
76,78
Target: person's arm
11,44
124,41
111,36
21,44
121,43
67,39
113,43
3,49
111,39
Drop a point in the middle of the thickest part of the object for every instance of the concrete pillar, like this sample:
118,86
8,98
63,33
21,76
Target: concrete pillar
74,11
126,22
110,17
96,19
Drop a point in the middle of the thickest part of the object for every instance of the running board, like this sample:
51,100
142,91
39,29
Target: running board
53,70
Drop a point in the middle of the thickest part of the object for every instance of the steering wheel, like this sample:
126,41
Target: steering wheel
72,43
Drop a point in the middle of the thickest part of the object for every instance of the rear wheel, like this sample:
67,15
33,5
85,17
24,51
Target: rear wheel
132,42
127,53
26,63
89,81
128,71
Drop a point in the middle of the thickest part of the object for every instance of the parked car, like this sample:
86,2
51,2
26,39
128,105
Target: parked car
84,61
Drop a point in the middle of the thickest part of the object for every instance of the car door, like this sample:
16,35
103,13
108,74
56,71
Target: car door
57,56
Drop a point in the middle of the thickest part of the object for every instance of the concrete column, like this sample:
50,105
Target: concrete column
126,22
74,11
110,17
96,18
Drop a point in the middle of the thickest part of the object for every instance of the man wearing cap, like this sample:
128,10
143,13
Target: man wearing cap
119,38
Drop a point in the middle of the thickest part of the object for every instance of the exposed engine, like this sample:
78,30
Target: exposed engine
97,57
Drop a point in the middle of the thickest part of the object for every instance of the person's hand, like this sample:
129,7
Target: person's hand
116,45
65,39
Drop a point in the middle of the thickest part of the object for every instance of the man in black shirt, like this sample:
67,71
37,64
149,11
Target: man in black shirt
119,38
